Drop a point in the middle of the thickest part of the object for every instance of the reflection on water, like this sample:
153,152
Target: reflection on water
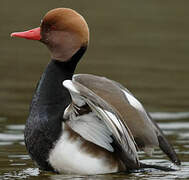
143,45
30,172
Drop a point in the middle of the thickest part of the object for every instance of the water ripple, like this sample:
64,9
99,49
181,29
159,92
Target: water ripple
169,115
11,137
175,125
16,127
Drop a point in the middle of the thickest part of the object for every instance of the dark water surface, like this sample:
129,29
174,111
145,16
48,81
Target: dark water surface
142,44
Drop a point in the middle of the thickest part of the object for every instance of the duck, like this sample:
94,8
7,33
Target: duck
84,123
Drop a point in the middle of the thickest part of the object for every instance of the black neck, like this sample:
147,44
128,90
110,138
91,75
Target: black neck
50,89
44,124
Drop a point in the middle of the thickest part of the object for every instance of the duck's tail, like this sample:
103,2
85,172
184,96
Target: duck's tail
162,168
145,167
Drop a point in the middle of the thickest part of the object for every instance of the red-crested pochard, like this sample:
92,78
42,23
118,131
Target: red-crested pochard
83,123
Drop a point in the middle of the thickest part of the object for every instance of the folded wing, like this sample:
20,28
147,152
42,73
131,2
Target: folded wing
145,131
98,122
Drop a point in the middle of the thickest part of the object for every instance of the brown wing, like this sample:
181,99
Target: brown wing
107,122
144,130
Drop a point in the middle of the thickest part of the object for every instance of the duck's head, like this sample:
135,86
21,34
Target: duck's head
63,30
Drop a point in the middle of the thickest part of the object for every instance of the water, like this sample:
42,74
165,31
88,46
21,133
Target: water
142,44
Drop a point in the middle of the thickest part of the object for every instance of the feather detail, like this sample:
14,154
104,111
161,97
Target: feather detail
104,118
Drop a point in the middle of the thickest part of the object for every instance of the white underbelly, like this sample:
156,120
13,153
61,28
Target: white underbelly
67,157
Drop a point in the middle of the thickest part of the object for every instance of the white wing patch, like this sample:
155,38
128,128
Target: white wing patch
73,91
114,118
69,85
133,101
